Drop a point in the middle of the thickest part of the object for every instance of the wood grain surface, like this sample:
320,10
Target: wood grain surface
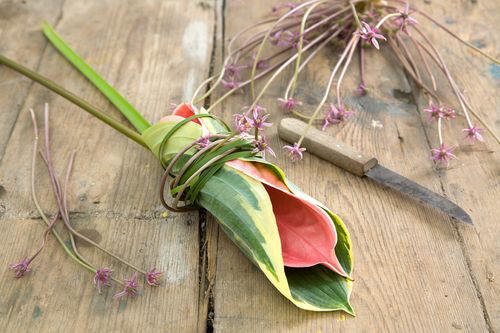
414,268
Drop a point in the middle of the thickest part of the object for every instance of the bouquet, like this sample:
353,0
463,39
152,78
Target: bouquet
302,247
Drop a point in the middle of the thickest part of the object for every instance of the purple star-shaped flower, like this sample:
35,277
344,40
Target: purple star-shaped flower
472,133
448,113
295,152
20,268
130,288
371,34
241,123
442,154
404,20
152,277
233,70
335,115
289,104
435,112
258,120
262,146
102,277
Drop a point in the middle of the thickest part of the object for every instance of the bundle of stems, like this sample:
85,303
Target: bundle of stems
295,33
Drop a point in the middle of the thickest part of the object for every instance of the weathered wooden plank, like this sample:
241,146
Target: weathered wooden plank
154,52
473,182
411,272
24,42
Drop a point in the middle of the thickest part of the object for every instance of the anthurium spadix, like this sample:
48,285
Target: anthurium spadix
303,249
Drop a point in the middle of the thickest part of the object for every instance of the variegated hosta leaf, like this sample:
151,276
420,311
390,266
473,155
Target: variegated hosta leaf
244,210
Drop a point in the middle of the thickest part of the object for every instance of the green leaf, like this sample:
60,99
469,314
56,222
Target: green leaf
132,115
185,135
244,211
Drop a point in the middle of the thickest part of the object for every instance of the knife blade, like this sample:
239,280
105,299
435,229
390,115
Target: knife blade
345,157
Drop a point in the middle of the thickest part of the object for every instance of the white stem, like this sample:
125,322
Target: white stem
385,18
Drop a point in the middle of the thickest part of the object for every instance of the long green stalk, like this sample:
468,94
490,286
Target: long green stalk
133,116
74,99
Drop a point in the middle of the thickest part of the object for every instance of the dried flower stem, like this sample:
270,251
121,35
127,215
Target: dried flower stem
344,69
301,44
57,192
353,41
266,37
462,96
37,205
457,37
447,74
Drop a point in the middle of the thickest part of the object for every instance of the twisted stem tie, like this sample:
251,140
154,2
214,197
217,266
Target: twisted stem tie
187,182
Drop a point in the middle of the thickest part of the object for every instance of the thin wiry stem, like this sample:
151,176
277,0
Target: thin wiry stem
346,65
37,205
266,37
469,45
303,65
462,96
424,60
408,68
447,74
58,194
409,56
440,131
354,40
288,62
301,43
275,74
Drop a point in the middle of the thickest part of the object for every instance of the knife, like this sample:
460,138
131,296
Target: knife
345,157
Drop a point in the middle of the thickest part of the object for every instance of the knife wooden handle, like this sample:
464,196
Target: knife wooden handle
326,147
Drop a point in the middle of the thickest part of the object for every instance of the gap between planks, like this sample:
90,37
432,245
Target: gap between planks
208,242
415,96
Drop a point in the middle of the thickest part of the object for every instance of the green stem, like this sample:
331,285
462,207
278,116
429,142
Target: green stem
74,99
132,115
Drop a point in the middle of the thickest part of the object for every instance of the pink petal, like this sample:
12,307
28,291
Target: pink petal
308,237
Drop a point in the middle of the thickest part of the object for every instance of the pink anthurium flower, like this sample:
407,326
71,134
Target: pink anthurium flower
308,236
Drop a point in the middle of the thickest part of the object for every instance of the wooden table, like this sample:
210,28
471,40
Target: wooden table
415,269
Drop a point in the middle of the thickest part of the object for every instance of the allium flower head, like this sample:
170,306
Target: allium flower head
448,113
152,277
230,84
361,89
371,34
472,133
295,152
241,123
262,146
435,112
284,38
20,268
289,104
404,20
203,142
258,119
130,289
102,277
233,70
442,154
335,115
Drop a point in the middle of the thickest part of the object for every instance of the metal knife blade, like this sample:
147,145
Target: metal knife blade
402,184
347,158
